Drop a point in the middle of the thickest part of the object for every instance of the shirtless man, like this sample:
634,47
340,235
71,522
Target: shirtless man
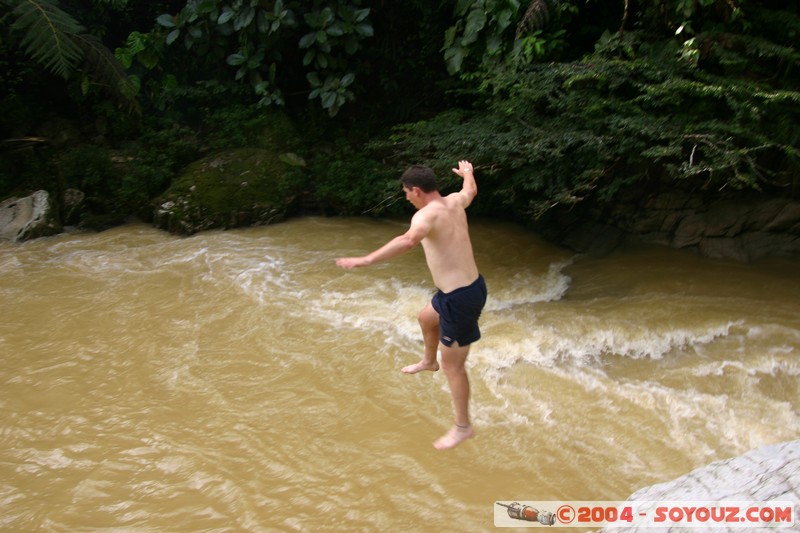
449,322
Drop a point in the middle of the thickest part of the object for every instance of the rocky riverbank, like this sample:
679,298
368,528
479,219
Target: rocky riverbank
743,227
769,473
254,186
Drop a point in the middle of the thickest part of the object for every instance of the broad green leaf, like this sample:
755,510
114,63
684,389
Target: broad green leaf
148,58
449,37
236,59
124,56
135,42
313,79
335,30
361,14
307,40
475,23
130,86
454,57
244,18
173,35
504,19
226,16
365,29
326,16
328,99
166,20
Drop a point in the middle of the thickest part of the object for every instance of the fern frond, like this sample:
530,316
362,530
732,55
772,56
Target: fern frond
102,67
46,35
536,16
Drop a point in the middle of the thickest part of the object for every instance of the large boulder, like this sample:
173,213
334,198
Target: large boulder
28,218
769,473
234,188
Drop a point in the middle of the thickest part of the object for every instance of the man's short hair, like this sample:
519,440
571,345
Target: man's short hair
419,176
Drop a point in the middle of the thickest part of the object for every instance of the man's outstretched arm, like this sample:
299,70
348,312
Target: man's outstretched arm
469,188
397,246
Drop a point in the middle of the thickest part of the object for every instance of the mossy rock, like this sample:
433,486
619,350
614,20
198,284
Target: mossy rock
234,188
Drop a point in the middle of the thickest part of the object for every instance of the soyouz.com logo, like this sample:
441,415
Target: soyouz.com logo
741,514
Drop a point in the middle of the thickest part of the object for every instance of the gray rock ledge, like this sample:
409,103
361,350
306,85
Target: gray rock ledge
769,473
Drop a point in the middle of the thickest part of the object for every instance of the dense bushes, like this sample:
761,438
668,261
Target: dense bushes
637,110
555,101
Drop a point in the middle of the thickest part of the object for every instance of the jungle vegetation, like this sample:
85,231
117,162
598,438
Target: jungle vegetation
556,101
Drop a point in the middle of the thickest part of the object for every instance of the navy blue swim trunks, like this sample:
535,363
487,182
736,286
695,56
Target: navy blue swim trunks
459,311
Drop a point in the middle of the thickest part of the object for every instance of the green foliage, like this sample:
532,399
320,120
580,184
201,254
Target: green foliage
149,165
89,168
556,101
493,31
701,97
352,182
265,42
58,42
237,126
558,134
47,34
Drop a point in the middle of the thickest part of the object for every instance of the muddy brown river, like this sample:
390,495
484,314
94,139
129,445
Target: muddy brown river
240,381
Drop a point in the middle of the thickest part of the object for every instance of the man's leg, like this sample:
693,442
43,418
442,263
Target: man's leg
453,362
429,323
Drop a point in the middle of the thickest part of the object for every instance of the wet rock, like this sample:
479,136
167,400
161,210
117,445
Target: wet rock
740,225
235,188
740,229
28,218
770,473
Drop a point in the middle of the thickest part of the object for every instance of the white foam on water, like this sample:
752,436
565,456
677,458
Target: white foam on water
528,288
586,343
767,365
261,280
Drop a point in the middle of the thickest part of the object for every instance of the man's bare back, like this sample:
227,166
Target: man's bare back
448,250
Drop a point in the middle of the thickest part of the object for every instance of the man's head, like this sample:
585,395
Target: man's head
419,176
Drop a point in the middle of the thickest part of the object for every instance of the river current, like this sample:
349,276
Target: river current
239,380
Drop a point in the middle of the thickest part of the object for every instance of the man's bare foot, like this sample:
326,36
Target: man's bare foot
454,437
419,367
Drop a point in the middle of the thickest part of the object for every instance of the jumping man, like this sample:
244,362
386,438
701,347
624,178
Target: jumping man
449,321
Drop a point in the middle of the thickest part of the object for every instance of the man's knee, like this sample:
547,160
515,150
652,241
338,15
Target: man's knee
428,317
453,357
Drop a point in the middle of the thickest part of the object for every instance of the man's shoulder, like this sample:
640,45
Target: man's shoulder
459,199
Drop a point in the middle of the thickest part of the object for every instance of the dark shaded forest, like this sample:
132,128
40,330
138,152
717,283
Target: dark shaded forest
562,105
